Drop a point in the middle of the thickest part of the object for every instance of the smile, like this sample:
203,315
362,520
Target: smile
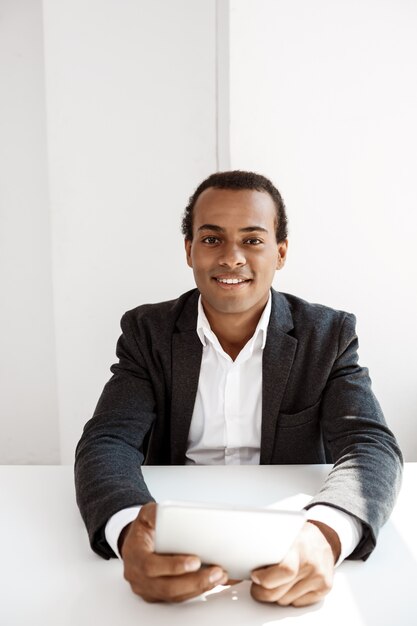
231,281
232,284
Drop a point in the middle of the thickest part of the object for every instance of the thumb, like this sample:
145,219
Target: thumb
147,514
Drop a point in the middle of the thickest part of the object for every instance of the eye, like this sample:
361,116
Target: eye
253,241
210,240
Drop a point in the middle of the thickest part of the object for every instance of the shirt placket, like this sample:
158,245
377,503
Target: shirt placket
231,414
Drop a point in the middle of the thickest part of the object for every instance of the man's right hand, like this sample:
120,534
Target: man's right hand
160,577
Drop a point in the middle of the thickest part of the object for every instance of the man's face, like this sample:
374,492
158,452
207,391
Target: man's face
234,240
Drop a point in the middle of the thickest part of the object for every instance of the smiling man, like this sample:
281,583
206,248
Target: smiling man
234,253
234,372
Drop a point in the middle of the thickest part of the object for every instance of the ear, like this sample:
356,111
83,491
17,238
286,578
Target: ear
188,244
282,254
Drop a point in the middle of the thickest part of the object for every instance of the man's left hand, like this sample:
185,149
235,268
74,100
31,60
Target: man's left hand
305,575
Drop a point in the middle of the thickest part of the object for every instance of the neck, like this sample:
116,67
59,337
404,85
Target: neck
233,330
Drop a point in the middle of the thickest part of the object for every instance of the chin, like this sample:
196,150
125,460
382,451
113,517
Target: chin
231,306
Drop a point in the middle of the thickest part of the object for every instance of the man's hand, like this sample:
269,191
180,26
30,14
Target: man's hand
305,575
157,577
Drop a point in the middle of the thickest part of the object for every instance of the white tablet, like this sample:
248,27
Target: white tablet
237,539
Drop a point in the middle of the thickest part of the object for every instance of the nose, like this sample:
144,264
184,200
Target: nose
232,256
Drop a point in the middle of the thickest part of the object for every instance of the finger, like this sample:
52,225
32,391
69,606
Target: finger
157,565
310,598
307,588
180,588
268,595
272,595
140,533
198,583
147,514
277,575
203,589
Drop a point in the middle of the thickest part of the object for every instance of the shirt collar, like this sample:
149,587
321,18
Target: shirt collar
204,331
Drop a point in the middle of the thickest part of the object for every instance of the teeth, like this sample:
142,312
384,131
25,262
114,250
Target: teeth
230,281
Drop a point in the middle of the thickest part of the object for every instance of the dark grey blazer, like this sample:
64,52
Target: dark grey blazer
317,407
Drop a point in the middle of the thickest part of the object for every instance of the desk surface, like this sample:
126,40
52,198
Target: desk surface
49,576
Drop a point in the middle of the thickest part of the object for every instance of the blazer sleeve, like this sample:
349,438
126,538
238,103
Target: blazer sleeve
110,453
366,476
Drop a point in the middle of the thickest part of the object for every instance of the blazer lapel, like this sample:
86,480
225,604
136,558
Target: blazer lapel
277,360
187,352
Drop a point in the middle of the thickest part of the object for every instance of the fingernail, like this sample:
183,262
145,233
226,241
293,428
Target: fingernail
255,579
216,575
192,565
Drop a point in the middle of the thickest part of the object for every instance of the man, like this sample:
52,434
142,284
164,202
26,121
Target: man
235,372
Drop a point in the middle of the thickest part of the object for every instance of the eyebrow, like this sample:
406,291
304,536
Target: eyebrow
219,229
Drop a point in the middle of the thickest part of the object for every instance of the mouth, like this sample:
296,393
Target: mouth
232,282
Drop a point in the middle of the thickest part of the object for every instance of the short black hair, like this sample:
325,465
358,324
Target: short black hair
238,179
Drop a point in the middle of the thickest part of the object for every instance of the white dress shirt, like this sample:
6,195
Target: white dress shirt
226,426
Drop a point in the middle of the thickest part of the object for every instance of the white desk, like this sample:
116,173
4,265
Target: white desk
49,576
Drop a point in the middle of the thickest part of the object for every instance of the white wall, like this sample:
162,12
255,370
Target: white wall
131,100
323,99
28,407
131,124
